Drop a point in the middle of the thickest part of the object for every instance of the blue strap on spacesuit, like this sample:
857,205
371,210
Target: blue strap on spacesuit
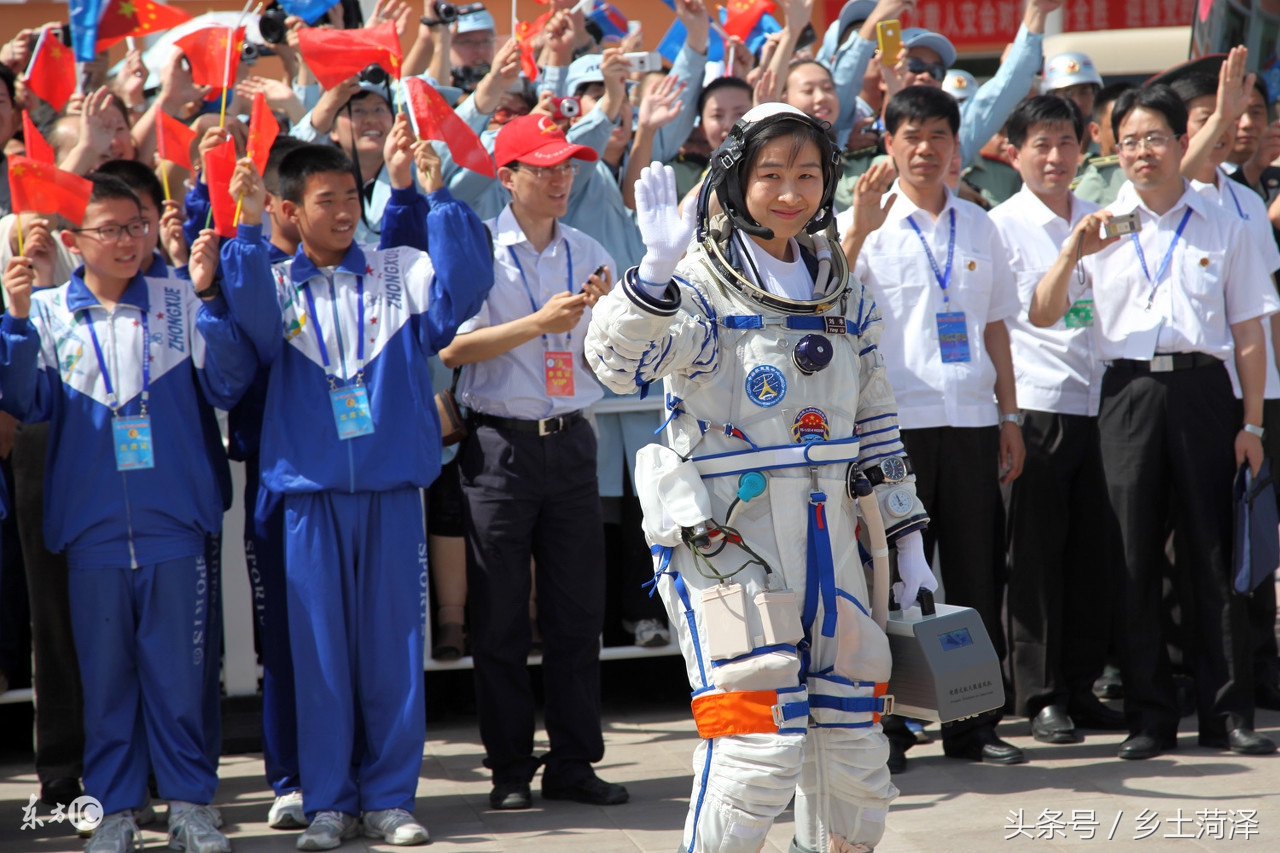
831,324
683,591
820,572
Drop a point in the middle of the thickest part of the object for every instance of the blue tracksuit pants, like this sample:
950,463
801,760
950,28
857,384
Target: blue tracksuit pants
140,638
264,554
356,568
213,652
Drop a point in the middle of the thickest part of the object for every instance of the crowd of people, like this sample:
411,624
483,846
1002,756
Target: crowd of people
1034,319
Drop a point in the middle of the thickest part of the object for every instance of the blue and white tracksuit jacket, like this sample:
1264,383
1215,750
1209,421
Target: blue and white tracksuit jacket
355,550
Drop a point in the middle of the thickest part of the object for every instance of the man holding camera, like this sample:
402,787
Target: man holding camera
1176,291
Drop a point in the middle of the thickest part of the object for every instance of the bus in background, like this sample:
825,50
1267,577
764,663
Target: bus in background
1219,25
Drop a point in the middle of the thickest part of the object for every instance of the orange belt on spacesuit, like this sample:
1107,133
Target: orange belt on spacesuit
747,712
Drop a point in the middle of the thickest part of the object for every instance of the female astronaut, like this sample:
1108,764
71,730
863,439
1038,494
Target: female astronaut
780,414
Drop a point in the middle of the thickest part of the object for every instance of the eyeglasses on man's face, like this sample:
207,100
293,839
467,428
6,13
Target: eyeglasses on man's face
112,233
936,70
1156,142
560,170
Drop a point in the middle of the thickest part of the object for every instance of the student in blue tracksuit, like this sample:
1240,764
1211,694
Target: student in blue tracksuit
350,433
118,363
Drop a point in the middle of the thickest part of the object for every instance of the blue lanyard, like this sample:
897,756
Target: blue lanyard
324,351
1236,199
944,278
533,303
1168,255
112,400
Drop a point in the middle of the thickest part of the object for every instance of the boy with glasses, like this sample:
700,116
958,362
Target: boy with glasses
529,477
117,363
1171,303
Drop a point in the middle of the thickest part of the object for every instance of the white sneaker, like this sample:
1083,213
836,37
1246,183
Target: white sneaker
395,826
286,812
193,828
328,830
118,833
651,633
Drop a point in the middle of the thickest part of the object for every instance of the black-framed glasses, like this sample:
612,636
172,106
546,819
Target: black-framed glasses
112,233
936,70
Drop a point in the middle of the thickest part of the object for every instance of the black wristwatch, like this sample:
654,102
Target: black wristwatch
209,292
893,469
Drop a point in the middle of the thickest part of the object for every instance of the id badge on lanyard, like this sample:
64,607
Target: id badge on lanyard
953,337
130,434
132,437
350,403
557,365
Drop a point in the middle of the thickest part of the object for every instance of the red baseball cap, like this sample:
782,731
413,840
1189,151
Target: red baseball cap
538,141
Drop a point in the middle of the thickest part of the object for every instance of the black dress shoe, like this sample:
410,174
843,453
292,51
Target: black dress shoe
1242,740
591,790
509,796
1108,685
1053,725
1143,745
1267,696
63,791
1089,713
983,745
897,762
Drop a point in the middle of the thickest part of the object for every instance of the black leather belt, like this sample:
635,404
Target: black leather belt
546,426
1169,362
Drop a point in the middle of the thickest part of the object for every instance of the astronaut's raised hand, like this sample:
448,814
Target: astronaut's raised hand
913,568
665,233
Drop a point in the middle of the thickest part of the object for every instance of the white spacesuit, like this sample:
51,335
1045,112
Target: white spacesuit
778,410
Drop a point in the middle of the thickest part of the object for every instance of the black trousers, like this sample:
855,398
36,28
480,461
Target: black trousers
59,702
957,480
530,496
1262,605
1063,560
1167,447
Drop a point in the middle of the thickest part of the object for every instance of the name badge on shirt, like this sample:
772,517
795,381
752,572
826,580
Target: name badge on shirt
132,436
1079,315
953,337
351,411
559,367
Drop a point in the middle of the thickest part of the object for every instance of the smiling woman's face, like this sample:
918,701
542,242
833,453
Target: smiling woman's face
785,186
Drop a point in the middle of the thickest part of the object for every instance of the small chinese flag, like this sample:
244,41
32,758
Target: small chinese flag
173,140
51,75
36,187
206,51
741,16
220,165
335,55
524,35
124,18
433,118
263,130
37,146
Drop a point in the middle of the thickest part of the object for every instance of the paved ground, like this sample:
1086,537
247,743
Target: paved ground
945,805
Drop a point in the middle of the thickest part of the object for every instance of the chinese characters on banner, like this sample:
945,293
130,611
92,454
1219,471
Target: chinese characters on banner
991,24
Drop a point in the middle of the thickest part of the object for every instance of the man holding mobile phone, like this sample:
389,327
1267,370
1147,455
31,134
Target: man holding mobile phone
528,471
1172,303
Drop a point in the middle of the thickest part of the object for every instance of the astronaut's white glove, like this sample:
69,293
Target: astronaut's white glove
913,569
665,233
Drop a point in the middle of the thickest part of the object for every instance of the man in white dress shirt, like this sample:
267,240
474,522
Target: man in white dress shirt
528,473
937,269
1172,302
1061,534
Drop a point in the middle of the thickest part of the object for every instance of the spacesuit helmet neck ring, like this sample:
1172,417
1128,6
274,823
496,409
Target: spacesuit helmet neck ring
730,163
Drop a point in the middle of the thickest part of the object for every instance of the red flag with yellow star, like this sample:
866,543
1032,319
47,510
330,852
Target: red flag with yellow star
43,188
741,16
433,118
51,75
173,139
206,52
335,55
124,18
263,130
